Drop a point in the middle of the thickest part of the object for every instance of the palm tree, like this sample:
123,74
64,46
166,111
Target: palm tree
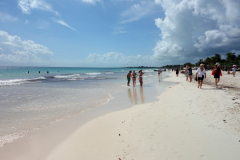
231,57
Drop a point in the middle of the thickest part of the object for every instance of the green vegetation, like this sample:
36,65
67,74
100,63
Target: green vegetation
209,62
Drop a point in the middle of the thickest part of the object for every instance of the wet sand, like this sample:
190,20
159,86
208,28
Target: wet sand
184,123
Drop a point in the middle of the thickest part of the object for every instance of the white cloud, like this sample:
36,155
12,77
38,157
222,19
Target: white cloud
7,17
91,1
138,11
118,30
196,28
64,24
116,59
26,22
14,49
27,5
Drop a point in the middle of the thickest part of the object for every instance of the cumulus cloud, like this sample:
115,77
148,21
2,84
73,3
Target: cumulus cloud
27,5
7,17
197,28
116,59
13,49
138,11
64,24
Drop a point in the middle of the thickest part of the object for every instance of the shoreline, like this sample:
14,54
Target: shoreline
41,142
184,123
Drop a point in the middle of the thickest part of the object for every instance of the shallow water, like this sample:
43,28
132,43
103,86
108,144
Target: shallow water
32,101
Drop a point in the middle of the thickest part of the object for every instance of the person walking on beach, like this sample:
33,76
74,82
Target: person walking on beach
217,72
190,73
134,76
140,77
129,78
159,74
177,72
234,69
186,73
200,73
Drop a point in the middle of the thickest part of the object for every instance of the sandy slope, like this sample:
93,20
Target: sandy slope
185,123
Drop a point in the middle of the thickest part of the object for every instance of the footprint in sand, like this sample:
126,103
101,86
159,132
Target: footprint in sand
202,156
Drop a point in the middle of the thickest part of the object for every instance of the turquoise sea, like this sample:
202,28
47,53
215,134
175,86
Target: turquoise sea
18,75
30,100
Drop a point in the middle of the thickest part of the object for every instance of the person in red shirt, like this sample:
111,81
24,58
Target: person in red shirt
217,72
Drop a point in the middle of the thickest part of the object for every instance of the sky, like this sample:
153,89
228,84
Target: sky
116,33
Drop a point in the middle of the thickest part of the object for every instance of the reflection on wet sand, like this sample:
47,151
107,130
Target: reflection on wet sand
130,94
141,94
159,77
133,95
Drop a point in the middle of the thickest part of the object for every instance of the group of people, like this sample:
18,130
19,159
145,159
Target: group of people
134,75
200,75
217,72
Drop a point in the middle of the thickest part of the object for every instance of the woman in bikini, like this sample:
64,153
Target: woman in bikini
134,76
140,77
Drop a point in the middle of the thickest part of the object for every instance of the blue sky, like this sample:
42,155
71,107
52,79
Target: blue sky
105,33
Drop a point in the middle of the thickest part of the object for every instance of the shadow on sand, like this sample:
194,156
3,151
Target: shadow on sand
213,89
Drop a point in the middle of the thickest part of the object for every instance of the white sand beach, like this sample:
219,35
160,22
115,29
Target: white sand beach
185,123
96,80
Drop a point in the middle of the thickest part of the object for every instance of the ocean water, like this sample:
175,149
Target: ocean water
30,101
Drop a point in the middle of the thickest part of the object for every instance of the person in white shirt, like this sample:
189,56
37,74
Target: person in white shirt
234,69
186,73
200,73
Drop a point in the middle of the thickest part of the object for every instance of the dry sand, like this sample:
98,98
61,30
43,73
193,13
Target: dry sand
185,123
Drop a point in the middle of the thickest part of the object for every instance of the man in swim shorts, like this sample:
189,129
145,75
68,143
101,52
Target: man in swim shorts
129,78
